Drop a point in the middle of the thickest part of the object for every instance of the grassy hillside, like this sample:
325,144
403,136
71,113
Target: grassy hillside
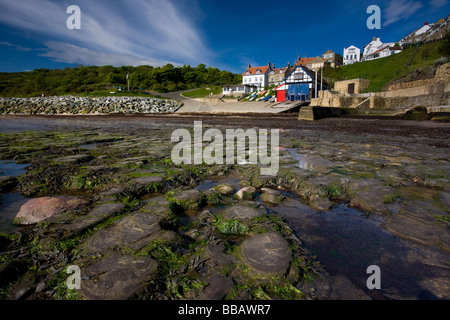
382,71
203,92
103,80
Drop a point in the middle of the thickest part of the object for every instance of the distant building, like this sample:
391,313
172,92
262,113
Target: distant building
314,63
355,86
238,90
377,49
277,76
331,57
351,55
257,76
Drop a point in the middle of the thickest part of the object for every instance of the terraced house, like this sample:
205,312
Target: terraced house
257,76
277,76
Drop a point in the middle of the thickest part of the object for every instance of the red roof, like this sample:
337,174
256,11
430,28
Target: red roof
252,71
304,61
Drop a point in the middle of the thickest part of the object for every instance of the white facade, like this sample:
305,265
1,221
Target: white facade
377,49
258,76
351,55
238,90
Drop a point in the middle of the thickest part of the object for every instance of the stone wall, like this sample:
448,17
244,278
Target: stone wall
85,105
442,75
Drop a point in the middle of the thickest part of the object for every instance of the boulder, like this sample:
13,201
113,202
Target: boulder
271,196
267,253
40,209
225,189
246,193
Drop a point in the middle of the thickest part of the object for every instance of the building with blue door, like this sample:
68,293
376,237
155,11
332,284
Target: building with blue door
301,84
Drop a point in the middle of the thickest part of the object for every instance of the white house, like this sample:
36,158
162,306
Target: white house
256,76
351,55
238,89
377,49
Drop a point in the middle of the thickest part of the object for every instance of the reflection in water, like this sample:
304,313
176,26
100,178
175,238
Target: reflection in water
307,161
346,242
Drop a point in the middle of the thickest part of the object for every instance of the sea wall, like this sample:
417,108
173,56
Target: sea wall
86,105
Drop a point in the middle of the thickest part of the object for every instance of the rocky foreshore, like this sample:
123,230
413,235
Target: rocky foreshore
86,105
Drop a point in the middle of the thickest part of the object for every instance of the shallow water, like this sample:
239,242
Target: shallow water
10,203
11,168
346,242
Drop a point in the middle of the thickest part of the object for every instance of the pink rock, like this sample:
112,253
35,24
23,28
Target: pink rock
39,209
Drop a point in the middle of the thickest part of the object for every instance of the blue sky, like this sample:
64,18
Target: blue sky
224,34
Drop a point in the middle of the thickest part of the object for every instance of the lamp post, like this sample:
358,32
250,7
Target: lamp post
128,78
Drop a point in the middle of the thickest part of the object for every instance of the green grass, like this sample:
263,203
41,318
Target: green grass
382,71
203,92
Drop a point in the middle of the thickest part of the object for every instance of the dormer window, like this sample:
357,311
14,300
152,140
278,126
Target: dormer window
248,73
258,71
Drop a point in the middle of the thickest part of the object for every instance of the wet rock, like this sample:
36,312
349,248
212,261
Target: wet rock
242,213
271,196
40,209
190,199
266,253
7,184
117,276
343,289
75,159
225,189
417,223
132,232
97,215
321,204
370,195
217,288
246,193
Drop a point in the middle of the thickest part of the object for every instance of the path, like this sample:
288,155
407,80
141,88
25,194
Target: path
195,105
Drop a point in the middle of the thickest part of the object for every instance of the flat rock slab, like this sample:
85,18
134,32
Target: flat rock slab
147,180
416,223
132,232
76,159
96,215
116,276
190,199
267,253
370,195
40,209
242,213
217,288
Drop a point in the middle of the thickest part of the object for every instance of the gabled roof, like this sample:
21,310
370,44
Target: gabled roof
304,61
279,70
253,70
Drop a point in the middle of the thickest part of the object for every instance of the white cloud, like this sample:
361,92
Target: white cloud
436,4
398,10
122,32
65,52
14,46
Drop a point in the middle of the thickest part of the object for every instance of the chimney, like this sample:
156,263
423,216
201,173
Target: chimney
374,38
378,39
249,66
288,65
273,66
426,23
